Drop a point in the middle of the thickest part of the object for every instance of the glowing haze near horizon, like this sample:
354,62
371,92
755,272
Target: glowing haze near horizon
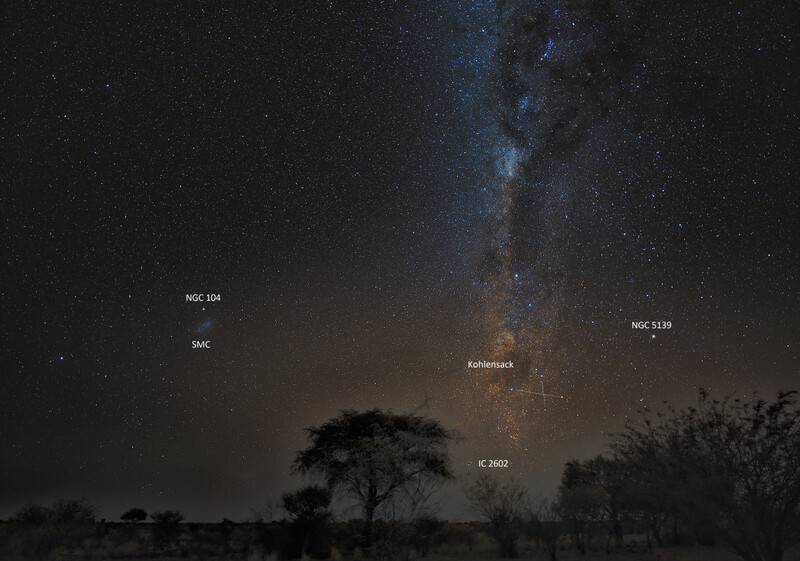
381,194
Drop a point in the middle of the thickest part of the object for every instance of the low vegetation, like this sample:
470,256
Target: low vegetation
721,477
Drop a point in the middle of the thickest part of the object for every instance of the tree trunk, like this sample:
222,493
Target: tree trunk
369,517
657,534
619,538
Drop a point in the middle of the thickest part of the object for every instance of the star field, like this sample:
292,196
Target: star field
380,193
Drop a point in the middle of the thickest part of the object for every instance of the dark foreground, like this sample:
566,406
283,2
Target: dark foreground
278,541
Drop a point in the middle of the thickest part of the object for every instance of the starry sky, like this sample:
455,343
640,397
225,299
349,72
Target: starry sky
380,192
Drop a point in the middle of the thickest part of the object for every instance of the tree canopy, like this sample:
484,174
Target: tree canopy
730,467
134,515
372,456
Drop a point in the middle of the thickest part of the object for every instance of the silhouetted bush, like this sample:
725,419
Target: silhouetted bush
310,518
725,467
427,534
503,505
166,527
38,530
134,515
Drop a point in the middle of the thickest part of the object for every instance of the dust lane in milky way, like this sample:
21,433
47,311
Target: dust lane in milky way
595,219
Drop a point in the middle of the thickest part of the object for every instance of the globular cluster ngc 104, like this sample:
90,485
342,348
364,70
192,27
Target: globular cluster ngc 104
527,219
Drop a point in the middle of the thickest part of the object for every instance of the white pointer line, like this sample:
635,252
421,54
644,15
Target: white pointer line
540,393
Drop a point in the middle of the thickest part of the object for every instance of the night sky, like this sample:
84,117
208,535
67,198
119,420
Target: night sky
380,192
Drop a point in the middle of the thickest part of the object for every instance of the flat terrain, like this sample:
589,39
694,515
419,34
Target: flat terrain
666,554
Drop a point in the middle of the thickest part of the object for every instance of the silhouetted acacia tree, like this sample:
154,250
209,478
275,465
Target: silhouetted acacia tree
504,506
134,515
737,464
372,456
